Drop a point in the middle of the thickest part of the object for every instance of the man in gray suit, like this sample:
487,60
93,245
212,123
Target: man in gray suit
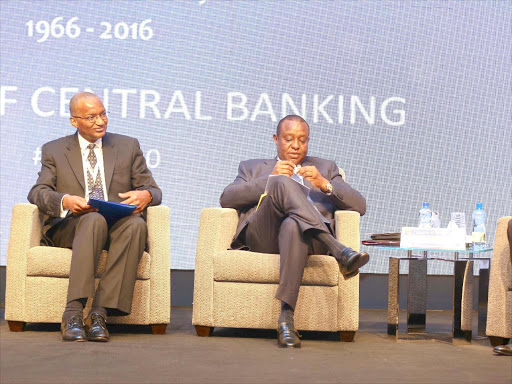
94,164
289,221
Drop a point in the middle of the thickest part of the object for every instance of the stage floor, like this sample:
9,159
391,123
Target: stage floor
134,355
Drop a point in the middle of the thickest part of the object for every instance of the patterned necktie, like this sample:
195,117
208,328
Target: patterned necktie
95,187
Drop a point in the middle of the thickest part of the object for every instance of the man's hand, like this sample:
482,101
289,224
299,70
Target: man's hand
139,198
284,167
76,204
311,174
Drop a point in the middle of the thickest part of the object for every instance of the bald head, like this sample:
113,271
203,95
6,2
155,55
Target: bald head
78,98
294,118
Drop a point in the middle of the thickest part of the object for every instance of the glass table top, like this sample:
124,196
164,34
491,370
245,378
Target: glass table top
466,251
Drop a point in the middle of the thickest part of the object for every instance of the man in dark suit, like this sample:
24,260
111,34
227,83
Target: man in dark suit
94,164
288,221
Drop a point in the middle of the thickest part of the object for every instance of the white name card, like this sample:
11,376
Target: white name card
433,238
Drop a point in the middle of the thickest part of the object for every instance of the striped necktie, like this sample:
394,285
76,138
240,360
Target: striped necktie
95,186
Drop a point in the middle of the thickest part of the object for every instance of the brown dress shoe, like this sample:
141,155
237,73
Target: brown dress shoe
73,329
503,349
97,328
287,336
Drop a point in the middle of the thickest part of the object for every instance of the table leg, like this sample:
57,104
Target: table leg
483,292
393,297
417,296
462,300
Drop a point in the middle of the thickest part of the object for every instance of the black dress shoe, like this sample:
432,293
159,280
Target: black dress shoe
287,336
350,261
351,274
97,327
73,329
503,349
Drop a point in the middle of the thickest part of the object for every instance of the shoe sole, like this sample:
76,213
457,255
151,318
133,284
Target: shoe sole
74,340
500,353
99,339
354,271
287,346
362,261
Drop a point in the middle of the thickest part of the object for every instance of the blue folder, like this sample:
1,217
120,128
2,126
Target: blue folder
112,211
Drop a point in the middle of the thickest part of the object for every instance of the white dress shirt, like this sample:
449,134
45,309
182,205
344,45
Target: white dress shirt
86,166
297,167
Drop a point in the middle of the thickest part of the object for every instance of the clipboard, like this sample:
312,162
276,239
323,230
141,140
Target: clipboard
111,210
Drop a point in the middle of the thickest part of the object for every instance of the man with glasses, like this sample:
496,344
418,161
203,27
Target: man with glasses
94,164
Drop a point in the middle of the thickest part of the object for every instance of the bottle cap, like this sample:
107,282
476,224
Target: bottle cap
426,204
479,206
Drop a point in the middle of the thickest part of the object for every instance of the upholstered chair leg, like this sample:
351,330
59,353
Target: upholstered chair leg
16,326
158,329
496,340
203,331
347,336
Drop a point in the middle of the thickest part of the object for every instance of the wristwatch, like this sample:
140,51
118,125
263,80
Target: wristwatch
329,188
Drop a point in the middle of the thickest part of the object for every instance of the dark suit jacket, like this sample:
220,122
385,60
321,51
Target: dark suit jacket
244,193
62,173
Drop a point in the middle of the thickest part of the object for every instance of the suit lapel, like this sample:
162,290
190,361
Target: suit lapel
269,166
109,158
74,157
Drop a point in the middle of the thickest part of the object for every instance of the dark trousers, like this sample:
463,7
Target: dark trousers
285,223
87,235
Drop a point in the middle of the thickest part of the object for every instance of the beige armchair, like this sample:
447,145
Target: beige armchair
236,289
499,310
37,276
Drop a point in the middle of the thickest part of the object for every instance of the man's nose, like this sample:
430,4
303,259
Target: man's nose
99,121
295,144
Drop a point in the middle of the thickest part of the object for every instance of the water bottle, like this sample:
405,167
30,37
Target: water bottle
478,235
425,216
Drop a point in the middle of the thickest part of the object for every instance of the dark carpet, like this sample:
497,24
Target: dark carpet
134,355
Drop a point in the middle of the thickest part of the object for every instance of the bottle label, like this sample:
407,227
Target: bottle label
478,237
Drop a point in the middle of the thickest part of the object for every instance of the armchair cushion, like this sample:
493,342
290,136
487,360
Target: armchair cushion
263,268
56,262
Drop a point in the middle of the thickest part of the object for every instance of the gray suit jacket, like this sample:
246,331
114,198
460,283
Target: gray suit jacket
244,193
62,173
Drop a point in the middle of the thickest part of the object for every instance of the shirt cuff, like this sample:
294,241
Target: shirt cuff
63,212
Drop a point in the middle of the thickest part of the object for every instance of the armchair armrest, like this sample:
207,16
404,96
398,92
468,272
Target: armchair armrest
499,319
347,233
26,225
347,228
158,222
216,230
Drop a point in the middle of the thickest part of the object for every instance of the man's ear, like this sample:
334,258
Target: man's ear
275,138
73,122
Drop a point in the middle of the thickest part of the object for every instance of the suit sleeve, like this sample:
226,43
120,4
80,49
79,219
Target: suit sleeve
44,193
142,178
343,195
245,191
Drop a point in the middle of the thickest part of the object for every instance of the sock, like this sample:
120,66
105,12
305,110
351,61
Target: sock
99,310
286,313
73,308
334,245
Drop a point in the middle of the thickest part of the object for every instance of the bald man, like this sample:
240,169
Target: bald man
92,163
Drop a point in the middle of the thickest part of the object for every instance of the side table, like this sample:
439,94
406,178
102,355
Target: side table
417,290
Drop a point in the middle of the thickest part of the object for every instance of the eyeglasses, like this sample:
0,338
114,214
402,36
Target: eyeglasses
92,119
